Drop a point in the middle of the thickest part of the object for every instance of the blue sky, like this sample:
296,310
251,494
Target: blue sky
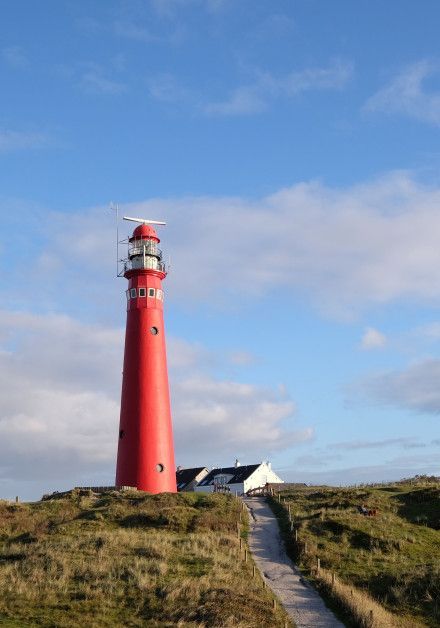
292,148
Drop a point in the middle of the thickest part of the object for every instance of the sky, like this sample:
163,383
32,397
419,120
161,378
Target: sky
292,146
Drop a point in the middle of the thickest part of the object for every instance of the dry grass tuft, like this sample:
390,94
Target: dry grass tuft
390,560
128,560
361,607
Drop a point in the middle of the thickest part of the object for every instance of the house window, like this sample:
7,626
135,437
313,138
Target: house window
133,293
142,292
151,292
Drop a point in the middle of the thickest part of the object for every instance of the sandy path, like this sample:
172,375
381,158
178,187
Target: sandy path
302,603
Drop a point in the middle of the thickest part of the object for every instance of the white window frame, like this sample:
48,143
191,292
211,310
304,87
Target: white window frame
142,292
133,296
159,295
127,293
152,290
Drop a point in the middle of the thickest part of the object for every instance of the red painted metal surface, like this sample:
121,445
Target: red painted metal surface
145,450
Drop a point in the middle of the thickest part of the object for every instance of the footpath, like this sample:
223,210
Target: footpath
301,601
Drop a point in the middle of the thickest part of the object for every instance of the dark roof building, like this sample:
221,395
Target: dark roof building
239,479
187,479
239,474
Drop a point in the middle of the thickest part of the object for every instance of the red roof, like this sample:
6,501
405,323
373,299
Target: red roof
143,232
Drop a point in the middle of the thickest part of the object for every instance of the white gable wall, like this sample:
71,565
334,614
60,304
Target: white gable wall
261,476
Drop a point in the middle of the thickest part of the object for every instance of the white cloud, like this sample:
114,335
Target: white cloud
255,97
316,459
345,249
166,88
430,331
373,339
60,386
132,22
238,418
242,358
396,469
11,141
94,81
413,388
406,442
15,56
273,27
137,31
407,94
170,8
242,101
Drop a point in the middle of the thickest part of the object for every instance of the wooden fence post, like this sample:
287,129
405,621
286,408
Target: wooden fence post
253,571
274,602
318,564
333,579
296,535
245,555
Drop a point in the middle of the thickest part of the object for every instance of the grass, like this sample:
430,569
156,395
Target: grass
388,564
129,559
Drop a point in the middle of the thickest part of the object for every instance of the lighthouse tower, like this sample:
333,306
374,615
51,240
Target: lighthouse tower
145,445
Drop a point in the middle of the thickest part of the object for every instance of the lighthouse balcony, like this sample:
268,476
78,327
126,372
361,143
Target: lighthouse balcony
144,247
141,262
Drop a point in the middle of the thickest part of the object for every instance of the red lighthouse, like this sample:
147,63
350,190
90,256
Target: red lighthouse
145,450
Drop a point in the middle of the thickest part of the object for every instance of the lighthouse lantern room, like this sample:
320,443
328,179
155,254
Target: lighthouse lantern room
145,445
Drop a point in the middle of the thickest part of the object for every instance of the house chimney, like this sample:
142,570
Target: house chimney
237,463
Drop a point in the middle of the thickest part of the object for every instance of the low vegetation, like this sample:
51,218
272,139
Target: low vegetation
129,559
382,569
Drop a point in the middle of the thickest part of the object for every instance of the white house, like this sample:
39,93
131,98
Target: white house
238,478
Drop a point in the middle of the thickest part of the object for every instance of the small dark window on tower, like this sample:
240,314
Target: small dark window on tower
159,467
133,293
151,292
121,433
142,292
154,331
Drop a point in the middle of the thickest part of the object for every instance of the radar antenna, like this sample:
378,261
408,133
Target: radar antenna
145,221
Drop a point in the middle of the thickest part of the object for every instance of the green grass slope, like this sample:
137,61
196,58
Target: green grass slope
394,557
129,559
